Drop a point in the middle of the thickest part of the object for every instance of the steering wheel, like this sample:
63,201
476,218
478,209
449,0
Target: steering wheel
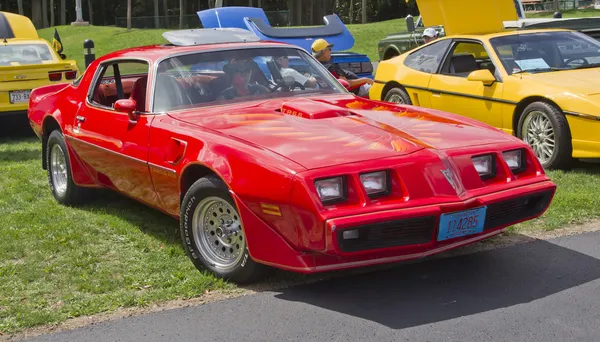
292,87
585,62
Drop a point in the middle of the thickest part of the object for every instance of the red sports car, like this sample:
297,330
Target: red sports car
264,168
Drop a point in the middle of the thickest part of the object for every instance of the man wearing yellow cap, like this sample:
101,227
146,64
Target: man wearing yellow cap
321,50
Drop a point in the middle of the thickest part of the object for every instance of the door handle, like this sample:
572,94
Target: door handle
80,118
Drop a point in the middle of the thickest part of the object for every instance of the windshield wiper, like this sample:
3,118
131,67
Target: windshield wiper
539,69
586,66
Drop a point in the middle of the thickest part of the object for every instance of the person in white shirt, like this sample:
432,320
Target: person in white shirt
285,70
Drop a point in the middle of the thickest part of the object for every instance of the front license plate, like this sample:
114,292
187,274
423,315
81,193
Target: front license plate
461,223
19,96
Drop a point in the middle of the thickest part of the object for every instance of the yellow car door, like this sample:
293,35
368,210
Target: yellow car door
467,84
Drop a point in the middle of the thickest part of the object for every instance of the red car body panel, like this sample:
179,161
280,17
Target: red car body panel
270,152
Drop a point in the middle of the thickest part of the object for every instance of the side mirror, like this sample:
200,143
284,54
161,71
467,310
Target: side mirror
63,56
410,23
483,75
344,83
126,106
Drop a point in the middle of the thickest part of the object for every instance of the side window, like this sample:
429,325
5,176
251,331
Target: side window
428,58
467,57
121,80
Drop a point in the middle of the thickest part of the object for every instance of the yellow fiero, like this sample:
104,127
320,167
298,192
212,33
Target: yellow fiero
27,62
543,86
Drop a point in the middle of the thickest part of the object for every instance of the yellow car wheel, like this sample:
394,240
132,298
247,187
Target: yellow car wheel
398,95
545,129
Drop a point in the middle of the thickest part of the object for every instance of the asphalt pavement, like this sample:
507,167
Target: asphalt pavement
536,291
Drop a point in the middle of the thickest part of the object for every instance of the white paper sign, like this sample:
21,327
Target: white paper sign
535,63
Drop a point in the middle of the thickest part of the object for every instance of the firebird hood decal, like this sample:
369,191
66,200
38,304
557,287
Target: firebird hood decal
322,133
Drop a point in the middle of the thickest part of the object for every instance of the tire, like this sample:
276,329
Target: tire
60,177
210,247
398,95
542,114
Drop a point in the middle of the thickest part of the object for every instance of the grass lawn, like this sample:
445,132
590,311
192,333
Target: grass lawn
59,262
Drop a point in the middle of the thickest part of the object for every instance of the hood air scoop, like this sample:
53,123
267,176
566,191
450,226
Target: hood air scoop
313,110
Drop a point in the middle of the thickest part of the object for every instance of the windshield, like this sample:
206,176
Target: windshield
24,54
546,51
211,78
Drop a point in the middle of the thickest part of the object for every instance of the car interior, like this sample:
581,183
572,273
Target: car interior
466,58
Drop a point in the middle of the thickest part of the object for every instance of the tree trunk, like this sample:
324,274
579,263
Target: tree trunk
20,6
63,12
45,13
351,11
91,12
51,12
128,15
364,11
180,14
36,13
156,15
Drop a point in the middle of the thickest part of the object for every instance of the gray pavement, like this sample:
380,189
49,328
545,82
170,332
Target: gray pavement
537,291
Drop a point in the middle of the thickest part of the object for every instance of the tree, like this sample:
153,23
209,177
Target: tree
51,12
63,12
556,5
91,12
45,13
364,11
128,15
156,21
20,6
180,14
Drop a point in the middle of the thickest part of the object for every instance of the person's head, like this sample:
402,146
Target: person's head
283,61
429,35
239,73
321,50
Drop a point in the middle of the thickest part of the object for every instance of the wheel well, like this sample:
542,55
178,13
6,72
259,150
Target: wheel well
389,86
50,124
389,53
523,104
191,174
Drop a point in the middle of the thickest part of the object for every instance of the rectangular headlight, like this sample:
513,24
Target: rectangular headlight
330,189
375,183
514,159
484,166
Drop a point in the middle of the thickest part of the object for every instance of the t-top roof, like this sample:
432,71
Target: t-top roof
209,36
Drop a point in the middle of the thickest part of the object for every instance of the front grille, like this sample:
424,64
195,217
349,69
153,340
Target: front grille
389,234
505,212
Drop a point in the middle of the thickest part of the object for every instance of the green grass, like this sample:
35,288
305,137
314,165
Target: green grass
58,262
566,14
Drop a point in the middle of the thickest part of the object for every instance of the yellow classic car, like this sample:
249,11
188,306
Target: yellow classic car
542,85
27,62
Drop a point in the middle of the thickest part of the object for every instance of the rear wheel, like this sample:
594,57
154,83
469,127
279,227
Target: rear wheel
213,234
545,129
398,95
60,177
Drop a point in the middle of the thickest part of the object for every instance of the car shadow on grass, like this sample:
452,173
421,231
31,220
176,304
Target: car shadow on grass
441,289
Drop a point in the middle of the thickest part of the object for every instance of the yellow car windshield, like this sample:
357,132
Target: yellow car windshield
22,54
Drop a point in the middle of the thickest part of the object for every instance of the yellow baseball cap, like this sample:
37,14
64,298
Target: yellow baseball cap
320,44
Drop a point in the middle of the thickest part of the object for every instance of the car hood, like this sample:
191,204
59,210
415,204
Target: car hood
584,82
341,129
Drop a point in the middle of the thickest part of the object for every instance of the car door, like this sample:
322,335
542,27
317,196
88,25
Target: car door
112,144
452,91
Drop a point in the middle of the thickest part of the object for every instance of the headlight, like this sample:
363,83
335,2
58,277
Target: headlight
375,183
514,159
330,190
484,166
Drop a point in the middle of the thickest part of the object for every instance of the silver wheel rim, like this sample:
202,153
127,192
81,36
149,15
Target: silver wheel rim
58,169
395,98
218,232
539,134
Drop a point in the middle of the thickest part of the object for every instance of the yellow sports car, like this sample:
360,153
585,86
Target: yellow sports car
27,62
541,85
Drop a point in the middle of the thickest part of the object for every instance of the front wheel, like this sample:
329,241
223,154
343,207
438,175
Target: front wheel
213,234
545,129
398,95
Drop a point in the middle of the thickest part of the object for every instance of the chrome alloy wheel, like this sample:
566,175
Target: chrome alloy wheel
218,232
395,98
58,169
539,134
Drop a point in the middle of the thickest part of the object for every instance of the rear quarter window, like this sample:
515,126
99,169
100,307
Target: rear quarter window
428,58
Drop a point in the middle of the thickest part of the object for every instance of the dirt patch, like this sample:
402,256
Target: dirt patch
279,282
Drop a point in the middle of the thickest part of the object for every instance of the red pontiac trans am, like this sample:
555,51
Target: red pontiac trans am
268,166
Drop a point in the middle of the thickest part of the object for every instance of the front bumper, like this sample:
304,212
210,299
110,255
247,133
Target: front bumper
397,235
